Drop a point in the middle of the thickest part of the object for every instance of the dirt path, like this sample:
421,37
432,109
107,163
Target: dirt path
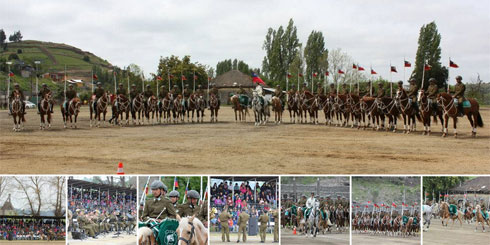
365,239
229,147
456,234
334,239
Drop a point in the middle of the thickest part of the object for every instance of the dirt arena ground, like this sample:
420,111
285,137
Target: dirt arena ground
366,239
228,147
456,234
123,239
287,237
215,238
32,242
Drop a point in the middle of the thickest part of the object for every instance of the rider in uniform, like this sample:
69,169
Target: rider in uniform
333,90
186,95
22,98
120,91
45,90
459,90
432,92
214,91
174,198
147,94
99,92
279,94
158,207
310,203
412,92
132,95
345,91
70,94
191,207
381,91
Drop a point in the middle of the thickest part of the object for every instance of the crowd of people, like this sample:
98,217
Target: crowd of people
32,229
263,196
100,213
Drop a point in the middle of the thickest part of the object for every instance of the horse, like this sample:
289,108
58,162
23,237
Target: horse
354,104
327,107
426,110
164,108
277,108
200,108
178,109
306,102
45,110
101,108
146,236
261,111
312,222
387,107
240,111
151,108
445,215
293,100
427,213
408,111
191,231
340,219
214,107
71,112
450,110
480,218
17,113
119,110
315,106
340,108
138,107
191,106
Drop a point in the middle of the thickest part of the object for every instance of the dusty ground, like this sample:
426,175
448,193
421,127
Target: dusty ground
228,147
335,238
366,239
31,242
123,239
215,238
455,234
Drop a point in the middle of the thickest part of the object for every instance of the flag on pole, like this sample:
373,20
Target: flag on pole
369,201
354,66
159,78
373,72
184,78
341,72
452,64
195,77
301,74
326,73
427,67
95,76
315,74
407,64
393,69
360,68
176,183
393,204
289,75
256,79
11,74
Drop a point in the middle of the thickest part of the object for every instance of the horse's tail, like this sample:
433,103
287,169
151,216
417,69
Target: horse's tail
418,117
479,120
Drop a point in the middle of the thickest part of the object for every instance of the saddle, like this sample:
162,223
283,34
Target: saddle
243,99
405,219
453,209
165,231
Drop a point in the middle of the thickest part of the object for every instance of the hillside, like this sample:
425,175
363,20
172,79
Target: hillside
385,189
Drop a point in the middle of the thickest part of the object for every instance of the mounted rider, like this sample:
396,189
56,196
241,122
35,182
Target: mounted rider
483,208
333,90
185,96
260,92
304,89
44,91
162,95
412,92
174,198
99,92
279,94
432,92
344,90
191,207
147,94
15,91
214,91
120,91
370,89
132,95
381,92
310,204
356,90
70,94
458,96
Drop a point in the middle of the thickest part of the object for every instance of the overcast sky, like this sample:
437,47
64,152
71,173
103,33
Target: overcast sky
371,32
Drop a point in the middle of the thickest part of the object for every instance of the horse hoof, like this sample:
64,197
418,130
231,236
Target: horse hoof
455,135
444,135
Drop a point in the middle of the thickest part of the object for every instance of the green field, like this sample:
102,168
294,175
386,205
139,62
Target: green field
384,189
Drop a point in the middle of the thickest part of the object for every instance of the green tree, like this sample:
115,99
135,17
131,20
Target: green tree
16,37
435,185
314,52
174,68
429,50
3,38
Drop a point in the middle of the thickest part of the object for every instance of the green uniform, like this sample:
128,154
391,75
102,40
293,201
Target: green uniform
432,91
225,229
214,91
263,219
412,92
242,91
304,89
43,92
242,225
86,225
275,214
99,92
203,213
133,93
158,206
333,91
163,93
121,91
71,94
345,91
187,209
148,94
200,92
381,93
186,93
459,89
320,90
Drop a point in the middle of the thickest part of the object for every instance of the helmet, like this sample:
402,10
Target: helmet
148,86
99,83
133,85
193,194
400,83
45,85
70,85
120,85
16,85
412,80
332,85
458,77
432,80
157,184
174,194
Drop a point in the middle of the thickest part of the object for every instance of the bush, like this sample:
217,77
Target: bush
86,58
13,57
19,51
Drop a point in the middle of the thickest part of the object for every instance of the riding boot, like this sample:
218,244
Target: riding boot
10,109
460,110
51,108
38,108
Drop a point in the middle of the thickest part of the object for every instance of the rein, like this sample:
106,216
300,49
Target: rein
188,241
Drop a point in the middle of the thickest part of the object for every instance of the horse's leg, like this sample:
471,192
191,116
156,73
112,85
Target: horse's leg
455,121
473,123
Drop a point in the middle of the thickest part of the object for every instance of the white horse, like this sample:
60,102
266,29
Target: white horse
427,214
312,222
191,231
146,236
261,112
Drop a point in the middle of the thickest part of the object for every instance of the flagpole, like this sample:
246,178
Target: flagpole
65,83
182,82
200,192
298,79
423,75
404,68
128,78
371,82
209,80
92,71
8,85
194,78
391,85
175,178
169,82
312,77
157,86
115,83
448,76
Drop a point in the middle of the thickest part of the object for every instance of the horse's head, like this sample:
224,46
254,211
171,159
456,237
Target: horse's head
421,95
186,230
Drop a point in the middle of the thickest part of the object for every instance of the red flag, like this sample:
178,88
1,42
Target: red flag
341,72
415,203
403,204
452,64
301,74
427,194
427,67
357,206
408,64
209,78
326,73
354,66
11,74
159,78
171,76
256,79
393,204
95,76
195,77
289,75
360,68
184,78
440,195
373,72
315,74
146,190
176,183
393,69
367,206
369,201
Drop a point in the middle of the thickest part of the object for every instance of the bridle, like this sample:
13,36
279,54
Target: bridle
188,241
75,107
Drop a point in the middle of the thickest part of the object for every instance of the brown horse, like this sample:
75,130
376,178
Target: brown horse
408,110
277,108
213,107
480,219
445,215
71,112
191,106
293,100
45,110
137,108
17,113
101,108
151,108
450,110
387,108
178,109
164,108
426,111
200,108
341,110
240,111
